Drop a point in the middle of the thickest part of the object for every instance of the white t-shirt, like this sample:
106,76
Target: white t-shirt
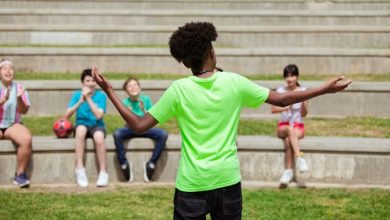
293,115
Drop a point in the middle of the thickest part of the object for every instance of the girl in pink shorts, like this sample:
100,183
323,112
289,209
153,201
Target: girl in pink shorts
291,127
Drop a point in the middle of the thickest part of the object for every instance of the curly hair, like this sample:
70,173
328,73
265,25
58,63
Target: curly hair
191,44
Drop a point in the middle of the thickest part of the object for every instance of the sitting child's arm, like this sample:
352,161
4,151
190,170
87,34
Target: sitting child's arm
277,109
22,106
95,110
70,111
304,108
6,96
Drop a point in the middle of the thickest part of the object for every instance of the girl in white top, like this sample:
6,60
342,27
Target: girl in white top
291,127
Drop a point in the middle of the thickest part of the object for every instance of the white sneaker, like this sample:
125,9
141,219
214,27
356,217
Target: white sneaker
302,165
81,177
286,177
102,179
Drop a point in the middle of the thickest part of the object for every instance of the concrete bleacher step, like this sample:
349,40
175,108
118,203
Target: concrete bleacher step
360,99
178,17
216,5
241,60
331,159
310,33
233,36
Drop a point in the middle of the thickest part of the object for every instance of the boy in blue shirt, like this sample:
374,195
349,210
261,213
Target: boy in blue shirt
90,106
139,105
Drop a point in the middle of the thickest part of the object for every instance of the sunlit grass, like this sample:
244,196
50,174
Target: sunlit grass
346,127
156,203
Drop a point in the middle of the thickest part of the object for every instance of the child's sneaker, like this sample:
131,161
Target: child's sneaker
286,177
148,171
102,179
127,172
81,177
302,165
21,180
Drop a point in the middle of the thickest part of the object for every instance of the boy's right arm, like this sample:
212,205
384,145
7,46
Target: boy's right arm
70,111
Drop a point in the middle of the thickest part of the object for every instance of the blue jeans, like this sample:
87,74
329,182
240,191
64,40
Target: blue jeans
158,135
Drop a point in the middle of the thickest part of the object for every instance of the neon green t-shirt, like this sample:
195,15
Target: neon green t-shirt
208,113
135,105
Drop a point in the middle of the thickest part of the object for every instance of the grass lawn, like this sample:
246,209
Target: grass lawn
167,76
351,126
156,203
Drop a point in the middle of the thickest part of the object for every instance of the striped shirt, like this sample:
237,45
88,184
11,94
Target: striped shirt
9,112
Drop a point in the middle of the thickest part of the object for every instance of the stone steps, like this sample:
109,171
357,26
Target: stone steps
325,37
332,160
178,17
229,36
360,99
241,60
216,5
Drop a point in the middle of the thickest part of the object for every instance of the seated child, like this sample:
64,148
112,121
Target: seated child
90,106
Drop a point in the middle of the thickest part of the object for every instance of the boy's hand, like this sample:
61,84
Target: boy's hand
101,80
86,92
82,99
336,84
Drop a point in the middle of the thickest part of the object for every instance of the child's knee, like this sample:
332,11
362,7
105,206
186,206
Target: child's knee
98,137
164,135
25,140
80,130
80,135
291,131
117,134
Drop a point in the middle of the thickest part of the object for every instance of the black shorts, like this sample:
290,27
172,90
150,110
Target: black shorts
221,203
3,130
91,130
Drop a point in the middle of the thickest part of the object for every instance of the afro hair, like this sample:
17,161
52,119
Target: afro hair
191,43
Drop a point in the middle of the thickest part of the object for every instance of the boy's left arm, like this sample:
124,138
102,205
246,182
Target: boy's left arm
95,108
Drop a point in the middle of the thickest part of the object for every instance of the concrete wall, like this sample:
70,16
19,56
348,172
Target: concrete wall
219,4
332,160
324,37
360,99
229,36
178,17
242,60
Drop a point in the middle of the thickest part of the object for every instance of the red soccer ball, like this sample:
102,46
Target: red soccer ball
62,128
